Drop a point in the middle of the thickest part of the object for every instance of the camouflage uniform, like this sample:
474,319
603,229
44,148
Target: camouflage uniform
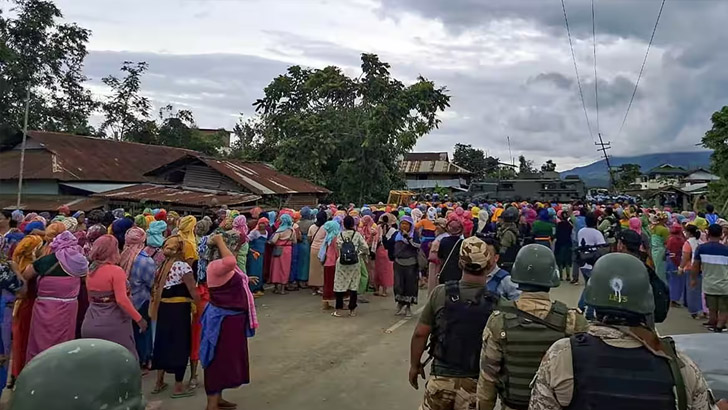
535,303
553,386
443,391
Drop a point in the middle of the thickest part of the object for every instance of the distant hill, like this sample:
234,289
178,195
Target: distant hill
595,174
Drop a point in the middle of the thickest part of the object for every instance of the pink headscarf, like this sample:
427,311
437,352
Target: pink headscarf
134,242
635,224
70,256
105,251
240,224
367,223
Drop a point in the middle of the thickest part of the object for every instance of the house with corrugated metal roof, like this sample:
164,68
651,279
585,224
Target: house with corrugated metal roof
87,173
424,171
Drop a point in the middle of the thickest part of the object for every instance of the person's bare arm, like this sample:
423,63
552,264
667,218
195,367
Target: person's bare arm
29,273
189,281
221,246
417,349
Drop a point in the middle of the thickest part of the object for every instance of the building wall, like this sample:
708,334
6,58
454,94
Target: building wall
35,186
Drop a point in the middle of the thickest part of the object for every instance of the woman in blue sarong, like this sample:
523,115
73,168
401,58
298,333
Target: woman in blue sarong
254,265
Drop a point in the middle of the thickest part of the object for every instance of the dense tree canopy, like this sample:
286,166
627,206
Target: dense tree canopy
548,166
525,166
40,53
327,127
716,139
475,161
626,176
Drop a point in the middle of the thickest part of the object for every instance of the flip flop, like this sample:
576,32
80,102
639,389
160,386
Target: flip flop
159,389
336,314
193,384
186,393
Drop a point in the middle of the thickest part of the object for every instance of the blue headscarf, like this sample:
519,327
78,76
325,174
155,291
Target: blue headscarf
119,228
544,215
306,213
272,217
366,211
155,234
332,229
33,226
411,232
286,223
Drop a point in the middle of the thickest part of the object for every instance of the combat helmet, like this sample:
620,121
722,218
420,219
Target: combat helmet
510,215
83,374
620,281
536,265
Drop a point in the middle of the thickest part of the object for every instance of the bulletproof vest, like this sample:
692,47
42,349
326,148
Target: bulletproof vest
458,335
525,340
508,256
607,377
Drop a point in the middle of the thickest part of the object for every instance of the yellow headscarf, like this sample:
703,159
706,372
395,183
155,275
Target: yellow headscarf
187,233
475,211
25,250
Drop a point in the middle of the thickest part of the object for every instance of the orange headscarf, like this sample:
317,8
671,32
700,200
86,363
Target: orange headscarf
51,231
187,234
177,244
25,251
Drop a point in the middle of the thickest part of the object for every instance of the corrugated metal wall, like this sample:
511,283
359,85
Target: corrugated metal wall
203,176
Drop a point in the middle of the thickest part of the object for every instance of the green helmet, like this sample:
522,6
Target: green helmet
620,281
536,265
83,374
511,214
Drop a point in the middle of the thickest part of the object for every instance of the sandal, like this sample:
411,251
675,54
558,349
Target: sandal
186,393
194,384
336,314
352,314
160,388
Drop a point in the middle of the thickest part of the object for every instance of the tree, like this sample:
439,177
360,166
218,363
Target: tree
125,109
716,139
344,133
177,128
549,166
40,54
525,166
626,176
471,159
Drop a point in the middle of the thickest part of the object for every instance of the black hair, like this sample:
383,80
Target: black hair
609,211
7,214
591,220
710,208
693,231
715,231
321,218
701,214
349,222
489,240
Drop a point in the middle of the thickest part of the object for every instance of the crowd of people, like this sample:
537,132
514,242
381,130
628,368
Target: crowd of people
179,291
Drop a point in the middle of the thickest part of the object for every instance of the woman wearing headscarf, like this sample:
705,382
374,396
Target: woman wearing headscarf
26,252
658,240
119,228
227,322
449,250
59,281
140,269
140,221
328,255
283,240
370,233
10,284
383,264
543,228
304,246
563,245
677,282
186,232
434,262
203,226
347,276
173,296
110,312
51,231
635,224
240,225
155,240
317,236
405,267
172,222
693,294
257,239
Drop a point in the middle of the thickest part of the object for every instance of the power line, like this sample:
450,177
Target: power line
649,45
576,69
596,79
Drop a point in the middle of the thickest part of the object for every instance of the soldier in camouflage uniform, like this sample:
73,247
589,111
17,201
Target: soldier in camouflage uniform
519,333
83,374
453,320
620,363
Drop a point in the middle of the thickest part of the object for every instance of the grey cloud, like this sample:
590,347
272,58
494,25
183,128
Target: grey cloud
557,79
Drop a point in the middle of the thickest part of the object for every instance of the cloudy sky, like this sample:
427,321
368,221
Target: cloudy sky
506,63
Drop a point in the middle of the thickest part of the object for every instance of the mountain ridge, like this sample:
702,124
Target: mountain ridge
595,175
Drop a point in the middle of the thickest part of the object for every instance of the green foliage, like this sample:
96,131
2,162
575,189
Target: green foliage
716,139
39,52
549,166
324,126
475,161
525,166
441,191
125,109
626,176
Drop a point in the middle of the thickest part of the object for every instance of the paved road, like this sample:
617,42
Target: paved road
303,358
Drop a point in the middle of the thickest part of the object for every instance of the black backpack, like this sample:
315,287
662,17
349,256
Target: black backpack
348,255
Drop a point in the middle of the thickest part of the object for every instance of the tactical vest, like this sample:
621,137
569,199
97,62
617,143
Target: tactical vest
607,377
458,335
525,340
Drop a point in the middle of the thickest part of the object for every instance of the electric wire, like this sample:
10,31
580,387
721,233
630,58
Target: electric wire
576,69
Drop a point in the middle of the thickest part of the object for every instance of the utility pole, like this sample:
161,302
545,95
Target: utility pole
22,149
603,147
508,138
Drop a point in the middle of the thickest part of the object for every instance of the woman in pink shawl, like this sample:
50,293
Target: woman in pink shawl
635,224
59,281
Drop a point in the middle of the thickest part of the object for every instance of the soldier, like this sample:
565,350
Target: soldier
83,374
454,318
620,363
519,333
508,237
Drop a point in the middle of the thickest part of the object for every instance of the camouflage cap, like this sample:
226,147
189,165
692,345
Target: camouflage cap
474,254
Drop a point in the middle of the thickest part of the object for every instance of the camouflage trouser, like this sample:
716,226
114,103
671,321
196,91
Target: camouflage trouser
450,393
